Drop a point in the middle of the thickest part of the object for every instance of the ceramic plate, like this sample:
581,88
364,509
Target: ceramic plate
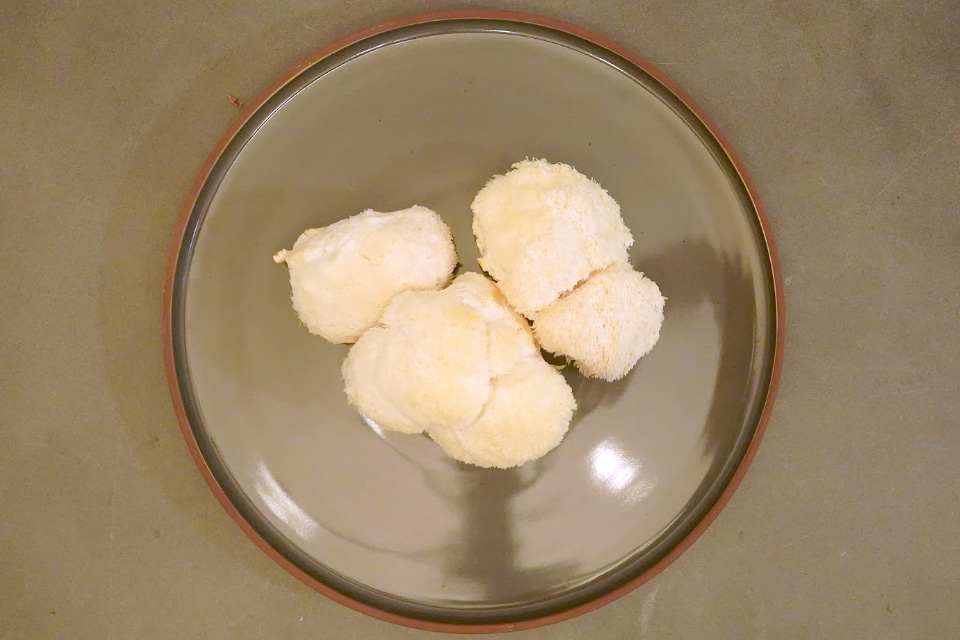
424,111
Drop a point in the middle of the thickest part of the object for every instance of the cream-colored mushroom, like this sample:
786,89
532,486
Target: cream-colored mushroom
542,228
343,276
462,366
606,324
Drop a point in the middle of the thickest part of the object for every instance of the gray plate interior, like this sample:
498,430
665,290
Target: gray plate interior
426,114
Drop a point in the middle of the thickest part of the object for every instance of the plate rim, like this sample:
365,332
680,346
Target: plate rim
177,241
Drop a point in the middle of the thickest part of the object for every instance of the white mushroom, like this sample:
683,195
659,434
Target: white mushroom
542,228
606,324
343,276
462,366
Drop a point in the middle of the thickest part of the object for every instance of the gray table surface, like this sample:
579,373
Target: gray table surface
846,113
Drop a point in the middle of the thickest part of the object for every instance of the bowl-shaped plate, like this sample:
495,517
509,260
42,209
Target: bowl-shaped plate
423,111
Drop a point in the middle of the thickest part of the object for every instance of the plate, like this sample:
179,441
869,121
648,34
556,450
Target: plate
424,110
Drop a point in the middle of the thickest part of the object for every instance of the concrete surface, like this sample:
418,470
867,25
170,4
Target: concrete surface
845,112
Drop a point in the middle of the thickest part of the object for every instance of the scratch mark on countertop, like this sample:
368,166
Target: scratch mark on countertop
923,154
646,610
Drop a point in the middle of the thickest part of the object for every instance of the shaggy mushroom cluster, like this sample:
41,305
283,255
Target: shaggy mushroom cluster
458,360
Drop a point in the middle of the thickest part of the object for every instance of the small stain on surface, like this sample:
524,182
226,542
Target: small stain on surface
235,101
890,608
156,533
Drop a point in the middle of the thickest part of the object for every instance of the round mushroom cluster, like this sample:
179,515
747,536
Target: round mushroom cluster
344,275
458,360
462,366
555,242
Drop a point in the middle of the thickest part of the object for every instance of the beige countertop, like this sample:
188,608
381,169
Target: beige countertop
845,113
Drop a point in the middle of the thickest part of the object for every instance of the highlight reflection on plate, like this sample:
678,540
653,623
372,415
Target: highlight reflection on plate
424,111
